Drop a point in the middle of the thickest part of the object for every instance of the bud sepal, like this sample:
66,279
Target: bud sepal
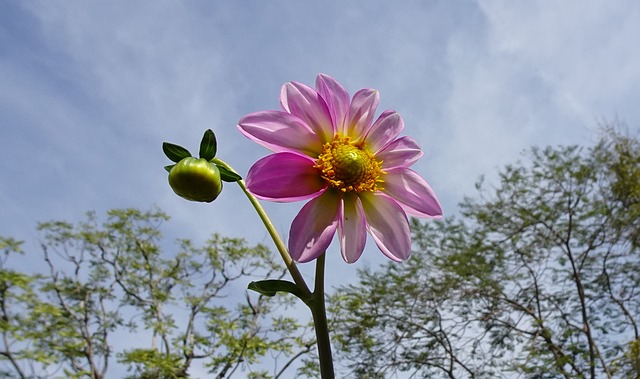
198,179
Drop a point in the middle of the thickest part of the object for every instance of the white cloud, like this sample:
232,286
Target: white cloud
584,51
536,74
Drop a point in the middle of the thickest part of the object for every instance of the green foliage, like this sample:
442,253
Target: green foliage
630,362
151,363
539,279
175,152
207,151
114,277
271,287
226,174
17,297
208,145
401,318
620,154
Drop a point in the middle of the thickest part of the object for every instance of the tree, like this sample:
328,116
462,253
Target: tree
103,280
17,328
539,278
410,317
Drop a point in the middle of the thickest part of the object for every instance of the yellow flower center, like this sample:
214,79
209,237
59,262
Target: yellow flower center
349,167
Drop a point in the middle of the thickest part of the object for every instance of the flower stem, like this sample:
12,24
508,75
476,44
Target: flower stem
320,324
275,236
315,300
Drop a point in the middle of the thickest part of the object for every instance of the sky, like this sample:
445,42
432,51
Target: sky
90,90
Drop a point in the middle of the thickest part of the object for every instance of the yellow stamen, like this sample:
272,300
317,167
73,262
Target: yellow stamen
349,167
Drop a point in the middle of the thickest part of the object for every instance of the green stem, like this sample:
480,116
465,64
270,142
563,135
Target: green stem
315,300
320,324
275,236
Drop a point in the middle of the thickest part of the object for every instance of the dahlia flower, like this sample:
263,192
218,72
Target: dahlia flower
354,172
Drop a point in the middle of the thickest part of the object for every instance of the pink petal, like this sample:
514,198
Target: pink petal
384,130
307,104
313,228
412,192
335,96
388,225
285,177
402,152
363,108
352,230
280,131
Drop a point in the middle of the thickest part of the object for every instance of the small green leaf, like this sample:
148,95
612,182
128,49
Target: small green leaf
227,175
169,167
270,287
208,145
174,152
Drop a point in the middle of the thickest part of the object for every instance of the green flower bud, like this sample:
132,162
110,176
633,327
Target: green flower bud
196,179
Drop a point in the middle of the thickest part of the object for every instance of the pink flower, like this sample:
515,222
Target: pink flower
354,172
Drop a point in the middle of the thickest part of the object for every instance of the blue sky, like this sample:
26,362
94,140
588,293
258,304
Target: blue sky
90,90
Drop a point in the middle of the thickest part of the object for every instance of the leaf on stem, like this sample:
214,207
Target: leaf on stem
175,152
270,287
208,145
228,175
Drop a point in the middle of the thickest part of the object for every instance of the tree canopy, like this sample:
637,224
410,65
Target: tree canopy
108,281
539,277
